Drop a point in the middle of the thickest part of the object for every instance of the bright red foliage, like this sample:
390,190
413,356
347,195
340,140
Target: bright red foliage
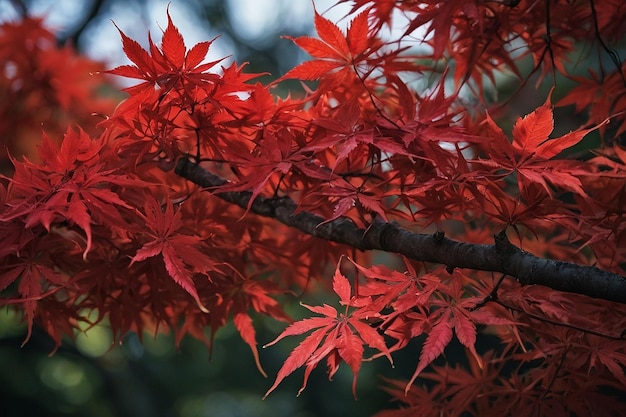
110,223
339,336
43,88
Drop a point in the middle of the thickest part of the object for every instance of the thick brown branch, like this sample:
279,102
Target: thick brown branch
502,256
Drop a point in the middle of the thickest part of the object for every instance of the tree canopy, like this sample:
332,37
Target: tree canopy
392,183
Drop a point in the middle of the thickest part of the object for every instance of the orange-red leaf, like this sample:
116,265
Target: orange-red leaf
341,286
196,54
182,259
298,357
534,129
555,146
331,34
437,340
243,323
358,38
350,348
465,331
173,44
312,70
316,48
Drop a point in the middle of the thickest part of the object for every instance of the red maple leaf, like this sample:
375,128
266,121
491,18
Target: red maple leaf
179,251
336,337
74,184
602,94
438,338
335,53
36,279
529,154
168,66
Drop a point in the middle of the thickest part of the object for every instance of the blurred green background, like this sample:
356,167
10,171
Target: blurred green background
154,378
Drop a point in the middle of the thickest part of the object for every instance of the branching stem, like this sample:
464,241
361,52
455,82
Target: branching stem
502,256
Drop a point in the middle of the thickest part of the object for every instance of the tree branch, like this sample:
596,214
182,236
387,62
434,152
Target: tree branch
502,256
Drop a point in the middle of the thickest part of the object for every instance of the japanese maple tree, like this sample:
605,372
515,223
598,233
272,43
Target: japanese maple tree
204,196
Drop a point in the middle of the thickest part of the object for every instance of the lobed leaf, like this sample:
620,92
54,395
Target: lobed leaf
436,341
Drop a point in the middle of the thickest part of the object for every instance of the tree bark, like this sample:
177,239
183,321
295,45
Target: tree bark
502,256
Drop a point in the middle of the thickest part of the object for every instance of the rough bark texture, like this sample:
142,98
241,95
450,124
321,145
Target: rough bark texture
502,256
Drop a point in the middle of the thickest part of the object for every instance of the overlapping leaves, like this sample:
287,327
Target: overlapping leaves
106,225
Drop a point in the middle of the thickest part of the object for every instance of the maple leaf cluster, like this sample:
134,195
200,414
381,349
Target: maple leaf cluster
206,197
44,87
